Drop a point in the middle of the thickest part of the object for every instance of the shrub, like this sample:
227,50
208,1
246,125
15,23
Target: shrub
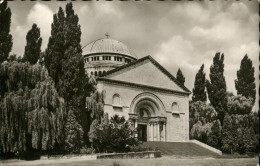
114,135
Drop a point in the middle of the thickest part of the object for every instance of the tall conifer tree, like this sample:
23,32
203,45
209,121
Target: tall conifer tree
216,87
64,59
65,63
33,48
55,49
245,82
180,77
199,90
5,38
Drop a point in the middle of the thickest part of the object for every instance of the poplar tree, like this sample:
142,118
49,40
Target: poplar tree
5,36
64,59
216,87
55,50
65,63
199,90
180,77
245,82
33,47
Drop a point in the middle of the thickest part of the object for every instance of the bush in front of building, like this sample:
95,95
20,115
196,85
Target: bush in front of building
112,135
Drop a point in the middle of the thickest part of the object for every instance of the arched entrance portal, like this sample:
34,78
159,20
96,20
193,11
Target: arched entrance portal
148,116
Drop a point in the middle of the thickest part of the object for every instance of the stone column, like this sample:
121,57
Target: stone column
164,132
148,132
136,135
155,132
152,132
158,132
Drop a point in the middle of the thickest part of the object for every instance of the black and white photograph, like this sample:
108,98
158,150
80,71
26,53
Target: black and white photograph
129,83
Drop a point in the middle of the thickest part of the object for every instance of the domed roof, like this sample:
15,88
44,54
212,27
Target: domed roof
107,46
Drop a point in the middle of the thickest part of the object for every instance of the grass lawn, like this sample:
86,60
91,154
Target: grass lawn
174,154
167,160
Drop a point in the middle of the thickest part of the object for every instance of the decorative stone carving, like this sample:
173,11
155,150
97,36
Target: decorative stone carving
158,120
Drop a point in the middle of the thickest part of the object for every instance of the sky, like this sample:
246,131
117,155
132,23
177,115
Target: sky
178,34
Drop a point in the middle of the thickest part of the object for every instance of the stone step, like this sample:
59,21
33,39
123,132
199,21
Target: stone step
180,148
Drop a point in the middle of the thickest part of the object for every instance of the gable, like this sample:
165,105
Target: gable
145,73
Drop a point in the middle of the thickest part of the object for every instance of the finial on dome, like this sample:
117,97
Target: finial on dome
107,35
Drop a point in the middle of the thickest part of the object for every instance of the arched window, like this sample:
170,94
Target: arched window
91,73
116,100
104,72
99,73
143,112
95,73
175,108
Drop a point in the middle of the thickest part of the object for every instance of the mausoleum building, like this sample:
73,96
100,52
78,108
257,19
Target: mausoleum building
141,90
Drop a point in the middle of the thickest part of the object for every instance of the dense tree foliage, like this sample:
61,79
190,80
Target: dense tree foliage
73,134
239,105
238,130
5,36
202,119
238,134
55,50
13,57
216,87
114,135
199,90
201,111
200,131
94,107
33,46
64,61
180,77
32,112
228,136
214,137
245,82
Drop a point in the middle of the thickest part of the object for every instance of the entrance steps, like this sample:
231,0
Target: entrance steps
181,149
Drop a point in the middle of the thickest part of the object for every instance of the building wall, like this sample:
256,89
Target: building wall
177,127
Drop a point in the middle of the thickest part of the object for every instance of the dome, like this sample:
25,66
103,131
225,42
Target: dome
107,46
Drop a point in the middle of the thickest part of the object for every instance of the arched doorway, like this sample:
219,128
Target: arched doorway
142,122
148,116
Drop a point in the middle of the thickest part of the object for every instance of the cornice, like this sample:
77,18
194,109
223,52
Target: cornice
141,86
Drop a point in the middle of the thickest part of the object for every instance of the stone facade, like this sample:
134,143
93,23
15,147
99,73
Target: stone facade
148,95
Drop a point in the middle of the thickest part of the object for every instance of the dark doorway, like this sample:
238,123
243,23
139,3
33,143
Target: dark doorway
142,132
